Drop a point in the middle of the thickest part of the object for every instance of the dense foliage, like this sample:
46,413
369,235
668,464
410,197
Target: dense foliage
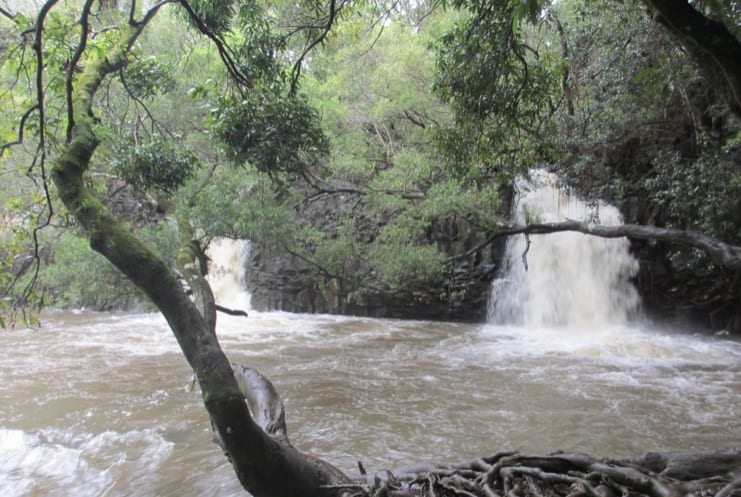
500,77
650,133
410,122
626,110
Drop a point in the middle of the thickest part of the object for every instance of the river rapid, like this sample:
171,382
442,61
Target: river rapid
103,404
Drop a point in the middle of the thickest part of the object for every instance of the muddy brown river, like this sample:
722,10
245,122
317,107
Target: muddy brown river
102,404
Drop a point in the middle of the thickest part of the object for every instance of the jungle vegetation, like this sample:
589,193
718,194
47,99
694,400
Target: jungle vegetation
419,111
398,113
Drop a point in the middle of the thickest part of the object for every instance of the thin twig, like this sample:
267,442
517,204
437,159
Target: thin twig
326,28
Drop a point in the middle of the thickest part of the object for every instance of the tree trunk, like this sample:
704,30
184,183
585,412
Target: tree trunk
265,466
713,47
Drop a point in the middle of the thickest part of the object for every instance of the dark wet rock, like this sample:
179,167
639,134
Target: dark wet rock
281,281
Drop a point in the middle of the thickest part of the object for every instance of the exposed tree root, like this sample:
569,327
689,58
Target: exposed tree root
712,473
510,474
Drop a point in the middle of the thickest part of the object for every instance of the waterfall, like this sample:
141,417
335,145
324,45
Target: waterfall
227,273
571,279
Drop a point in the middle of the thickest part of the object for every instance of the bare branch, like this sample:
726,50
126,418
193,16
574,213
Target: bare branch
225,52
7,14
231,312
326,28
21,128
149,15
35,258
415,117
721,253
729,489
156,125
132,13
38,48
329,189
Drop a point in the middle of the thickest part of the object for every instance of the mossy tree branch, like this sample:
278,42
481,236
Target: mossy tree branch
263,465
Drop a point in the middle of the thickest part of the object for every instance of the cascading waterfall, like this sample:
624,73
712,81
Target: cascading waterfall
227,273
571,279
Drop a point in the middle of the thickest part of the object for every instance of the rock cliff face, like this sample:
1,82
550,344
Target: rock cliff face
281,281
673,290
670,291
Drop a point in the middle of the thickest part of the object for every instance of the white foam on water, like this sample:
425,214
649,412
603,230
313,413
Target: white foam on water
52,461
618,344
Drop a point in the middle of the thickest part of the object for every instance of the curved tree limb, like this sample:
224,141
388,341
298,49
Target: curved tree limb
188,263
268,412
69,77
21,129
325,29
45,215
225,52
721,253
265,467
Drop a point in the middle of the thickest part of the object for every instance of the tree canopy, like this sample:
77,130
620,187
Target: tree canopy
422,113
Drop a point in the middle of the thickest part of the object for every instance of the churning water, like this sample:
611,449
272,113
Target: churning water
103,404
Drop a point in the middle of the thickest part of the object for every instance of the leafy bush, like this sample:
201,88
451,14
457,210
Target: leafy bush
276,134
78,277
158,164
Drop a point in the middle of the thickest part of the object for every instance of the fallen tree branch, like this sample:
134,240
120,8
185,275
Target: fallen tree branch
721,253
509,474
231,312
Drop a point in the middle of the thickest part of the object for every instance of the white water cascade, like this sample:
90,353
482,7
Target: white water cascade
571,279
227,273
